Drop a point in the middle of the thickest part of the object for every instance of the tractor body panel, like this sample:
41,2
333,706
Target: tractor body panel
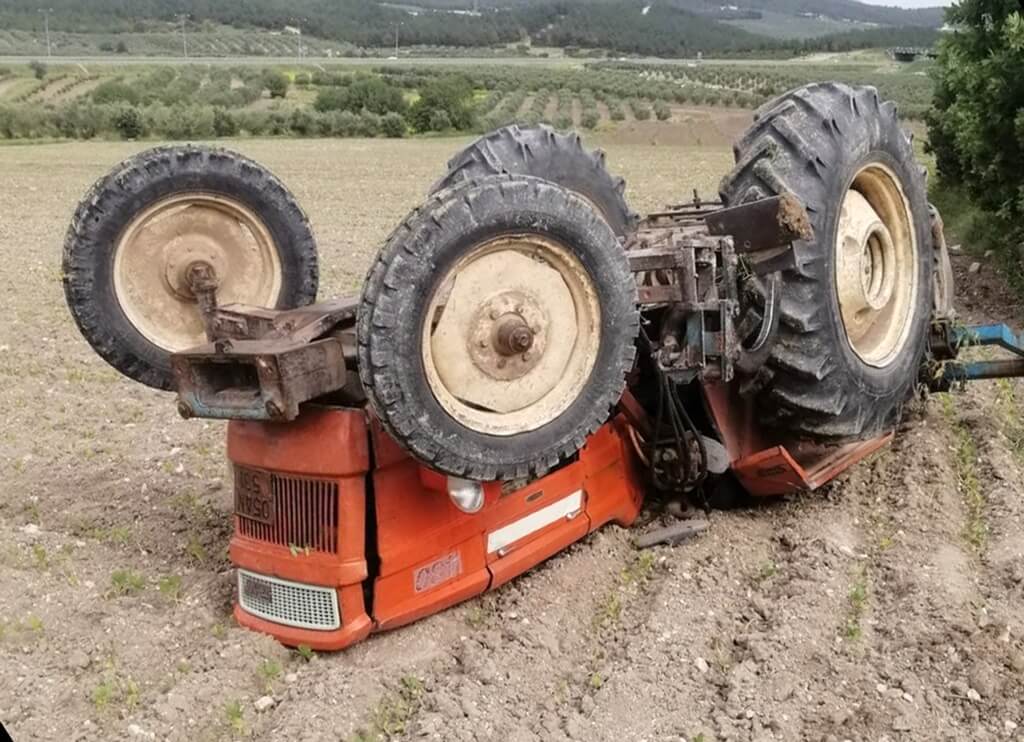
340,533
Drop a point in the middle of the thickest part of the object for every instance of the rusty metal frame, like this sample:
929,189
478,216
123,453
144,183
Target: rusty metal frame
262,364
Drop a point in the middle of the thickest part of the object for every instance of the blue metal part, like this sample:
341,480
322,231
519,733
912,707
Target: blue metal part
995,334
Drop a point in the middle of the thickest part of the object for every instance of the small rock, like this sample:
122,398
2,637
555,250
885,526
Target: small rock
988,254
955,249
136,731
264,703
975,268
30,528
958,687
587,705
430,725
291,677
1010,726
701,664
983,681
676,509
973,695
573,729
1017,661
79,659
901,724
882,688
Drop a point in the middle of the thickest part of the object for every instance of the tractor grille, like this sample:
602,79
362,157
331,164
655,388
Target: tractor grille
301,513
288,603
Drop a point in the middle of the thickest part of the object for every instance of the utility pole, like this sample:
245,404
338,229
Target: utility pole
396,41
300,43
184,36
46,24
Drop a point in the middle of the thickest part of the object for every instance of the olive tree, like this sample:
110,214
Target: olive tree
976,126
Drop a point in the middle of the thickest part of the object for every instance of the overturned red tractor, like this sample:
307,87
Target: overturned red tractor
528,358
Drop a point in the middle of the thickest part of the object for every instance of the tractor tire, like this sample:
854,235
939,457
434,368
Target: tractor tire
496,328
856,308
140,226
542,152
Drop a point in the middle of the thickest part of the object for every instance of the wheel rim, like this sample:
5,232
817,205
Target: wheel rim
876,265
154,253
512,336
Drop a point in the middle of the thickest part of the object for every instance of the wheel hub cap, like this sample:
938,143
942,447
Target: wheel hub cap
514,335
156,257
876,266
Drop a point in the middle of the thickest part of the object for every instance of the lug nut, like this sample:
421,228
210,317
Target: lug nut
185,409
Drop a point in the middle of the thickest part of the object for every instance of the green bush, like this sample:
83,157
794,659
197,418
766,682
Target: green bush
393,125
179,121
976,128
641,110
366,92
303,79
115,91
438,120
276,83
26,122
301,122
129,123
450,95
590,119
370,124
662,111
224,123
38,69
84,120
563,122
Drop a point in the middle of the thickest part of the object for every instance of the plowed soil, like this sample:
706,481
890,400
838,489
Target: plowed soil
889,606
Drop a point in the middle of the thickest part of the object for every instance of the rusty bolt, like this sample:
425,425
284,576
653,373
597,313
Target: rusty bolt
483,343
494,314
513,337
273,409
526,356
502,363
185,409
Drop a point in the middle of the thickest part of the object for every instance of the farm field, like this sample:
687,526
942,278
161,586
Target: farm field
88,100
889,606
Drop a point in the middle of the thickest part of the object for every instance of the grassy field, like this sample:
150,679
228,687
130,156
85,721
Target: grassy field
848,614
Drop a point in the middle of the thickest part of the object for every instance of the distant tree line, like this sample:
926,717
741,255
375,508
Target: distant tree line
674,29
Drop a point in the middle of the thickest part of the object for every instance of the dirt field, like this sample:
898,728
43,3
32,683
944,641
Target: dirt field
890,606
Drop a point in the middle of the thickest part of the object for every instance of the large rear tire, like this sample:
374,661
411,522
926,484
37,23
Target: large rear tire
542,152
140,227
496,328
855,309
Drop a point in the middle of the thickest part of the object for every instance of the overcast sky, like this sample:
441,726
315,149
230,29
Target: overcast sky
910,3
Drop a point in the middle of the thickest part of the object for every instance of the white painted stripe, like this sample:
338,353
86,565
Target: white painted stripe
533,522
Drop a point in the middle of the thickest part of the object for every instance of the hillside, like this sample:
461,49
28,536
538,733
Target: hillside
669,28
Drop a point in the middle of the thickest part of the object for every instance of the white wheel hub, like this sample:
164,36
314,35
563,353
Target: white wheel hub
153,256
512,334
876,265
